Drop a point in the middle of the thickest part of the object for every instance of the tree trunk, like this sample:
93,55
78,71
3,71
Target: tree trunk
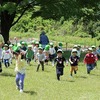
6,24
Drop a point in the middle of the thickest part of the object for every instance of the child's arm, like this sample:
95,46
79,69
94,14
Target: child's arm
66,62
70,61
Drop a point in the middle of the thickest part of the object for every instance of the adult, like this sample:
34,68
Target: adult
43,39
1,44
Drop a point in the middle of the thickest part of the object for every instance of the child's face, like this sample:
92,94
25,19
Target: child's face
40,51
37,45
74,53
59,54
6,48
89,51
30,48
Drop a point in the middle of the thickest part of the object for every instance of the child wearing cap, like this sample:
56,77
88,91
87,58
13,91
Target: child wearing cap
90,60
6,56
41,58
29,54
52,54
59,60
11,50
23,48
74,59
20,70
46,53
35,50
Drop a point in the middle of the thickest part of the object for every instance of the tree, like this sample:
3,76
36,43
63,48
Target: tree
12,10
8,12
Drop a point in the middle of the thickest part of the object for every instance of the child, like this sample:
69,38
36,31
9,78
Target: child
6,56
23,48
20,70
41,58
52,54
29,54
59,64
74,59
11,50
90,60
35,50
46,53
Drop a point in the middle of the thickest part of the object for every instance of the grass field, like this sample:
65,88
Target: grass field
44,85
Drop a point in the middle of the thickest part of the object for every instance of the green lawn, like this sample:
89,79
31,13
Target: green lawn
44,85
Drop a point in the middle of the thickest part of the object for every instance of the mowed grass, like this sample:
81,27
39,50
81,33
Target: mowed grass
44,85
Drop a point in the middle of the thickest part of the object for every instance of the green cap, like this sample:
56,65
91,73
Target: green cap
60,44
47,47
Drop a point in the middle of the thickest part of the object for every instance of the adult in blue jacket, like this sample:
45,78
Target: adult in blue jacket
44,39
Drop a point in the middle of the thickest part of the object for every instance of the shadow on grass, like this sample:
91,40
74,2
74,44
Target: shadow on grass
94,74
7,74
84,77
30,92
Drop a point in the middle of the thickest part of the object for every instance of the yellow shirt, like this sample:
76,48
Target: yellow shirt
20,65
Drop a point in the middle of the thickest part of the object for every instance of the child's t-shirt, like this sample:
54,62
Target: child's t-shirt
90,58
20,65
29,54
75,60
40,57
60,62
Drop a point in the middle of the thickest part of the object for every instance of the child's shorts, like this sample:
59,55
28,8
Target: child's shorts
74,68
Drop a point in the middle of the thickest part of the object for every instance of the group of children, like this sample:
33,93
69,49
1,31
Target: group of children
41,55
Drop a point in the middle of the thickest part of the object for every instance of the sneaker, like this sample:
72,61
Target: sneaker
21,91
75,72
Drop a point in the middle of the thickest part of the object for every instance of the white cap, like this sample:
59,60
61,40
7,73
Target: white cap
93,46
90,49
59,50
74,50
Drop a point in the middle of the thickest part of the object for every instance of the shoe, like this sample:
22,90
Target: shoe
21,91
75,72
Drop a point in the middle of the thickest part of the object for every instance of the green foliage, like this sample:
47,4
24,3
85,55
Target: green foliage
9,6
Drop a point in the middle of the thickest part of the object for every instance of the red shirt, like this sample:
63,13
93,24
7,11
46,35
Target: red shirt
90,58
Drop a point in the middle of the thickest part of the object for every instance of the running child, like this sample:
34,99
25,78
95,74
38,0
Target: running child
20,70
29,54
52,54
41,58
59,60
74,59
6,56
90,60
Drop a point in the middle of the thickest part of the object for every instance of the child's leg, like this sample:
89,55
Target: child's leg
75,69
22,76
71,70
0,66
38,66
58,73
42,64
5,63
17,79
88,68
